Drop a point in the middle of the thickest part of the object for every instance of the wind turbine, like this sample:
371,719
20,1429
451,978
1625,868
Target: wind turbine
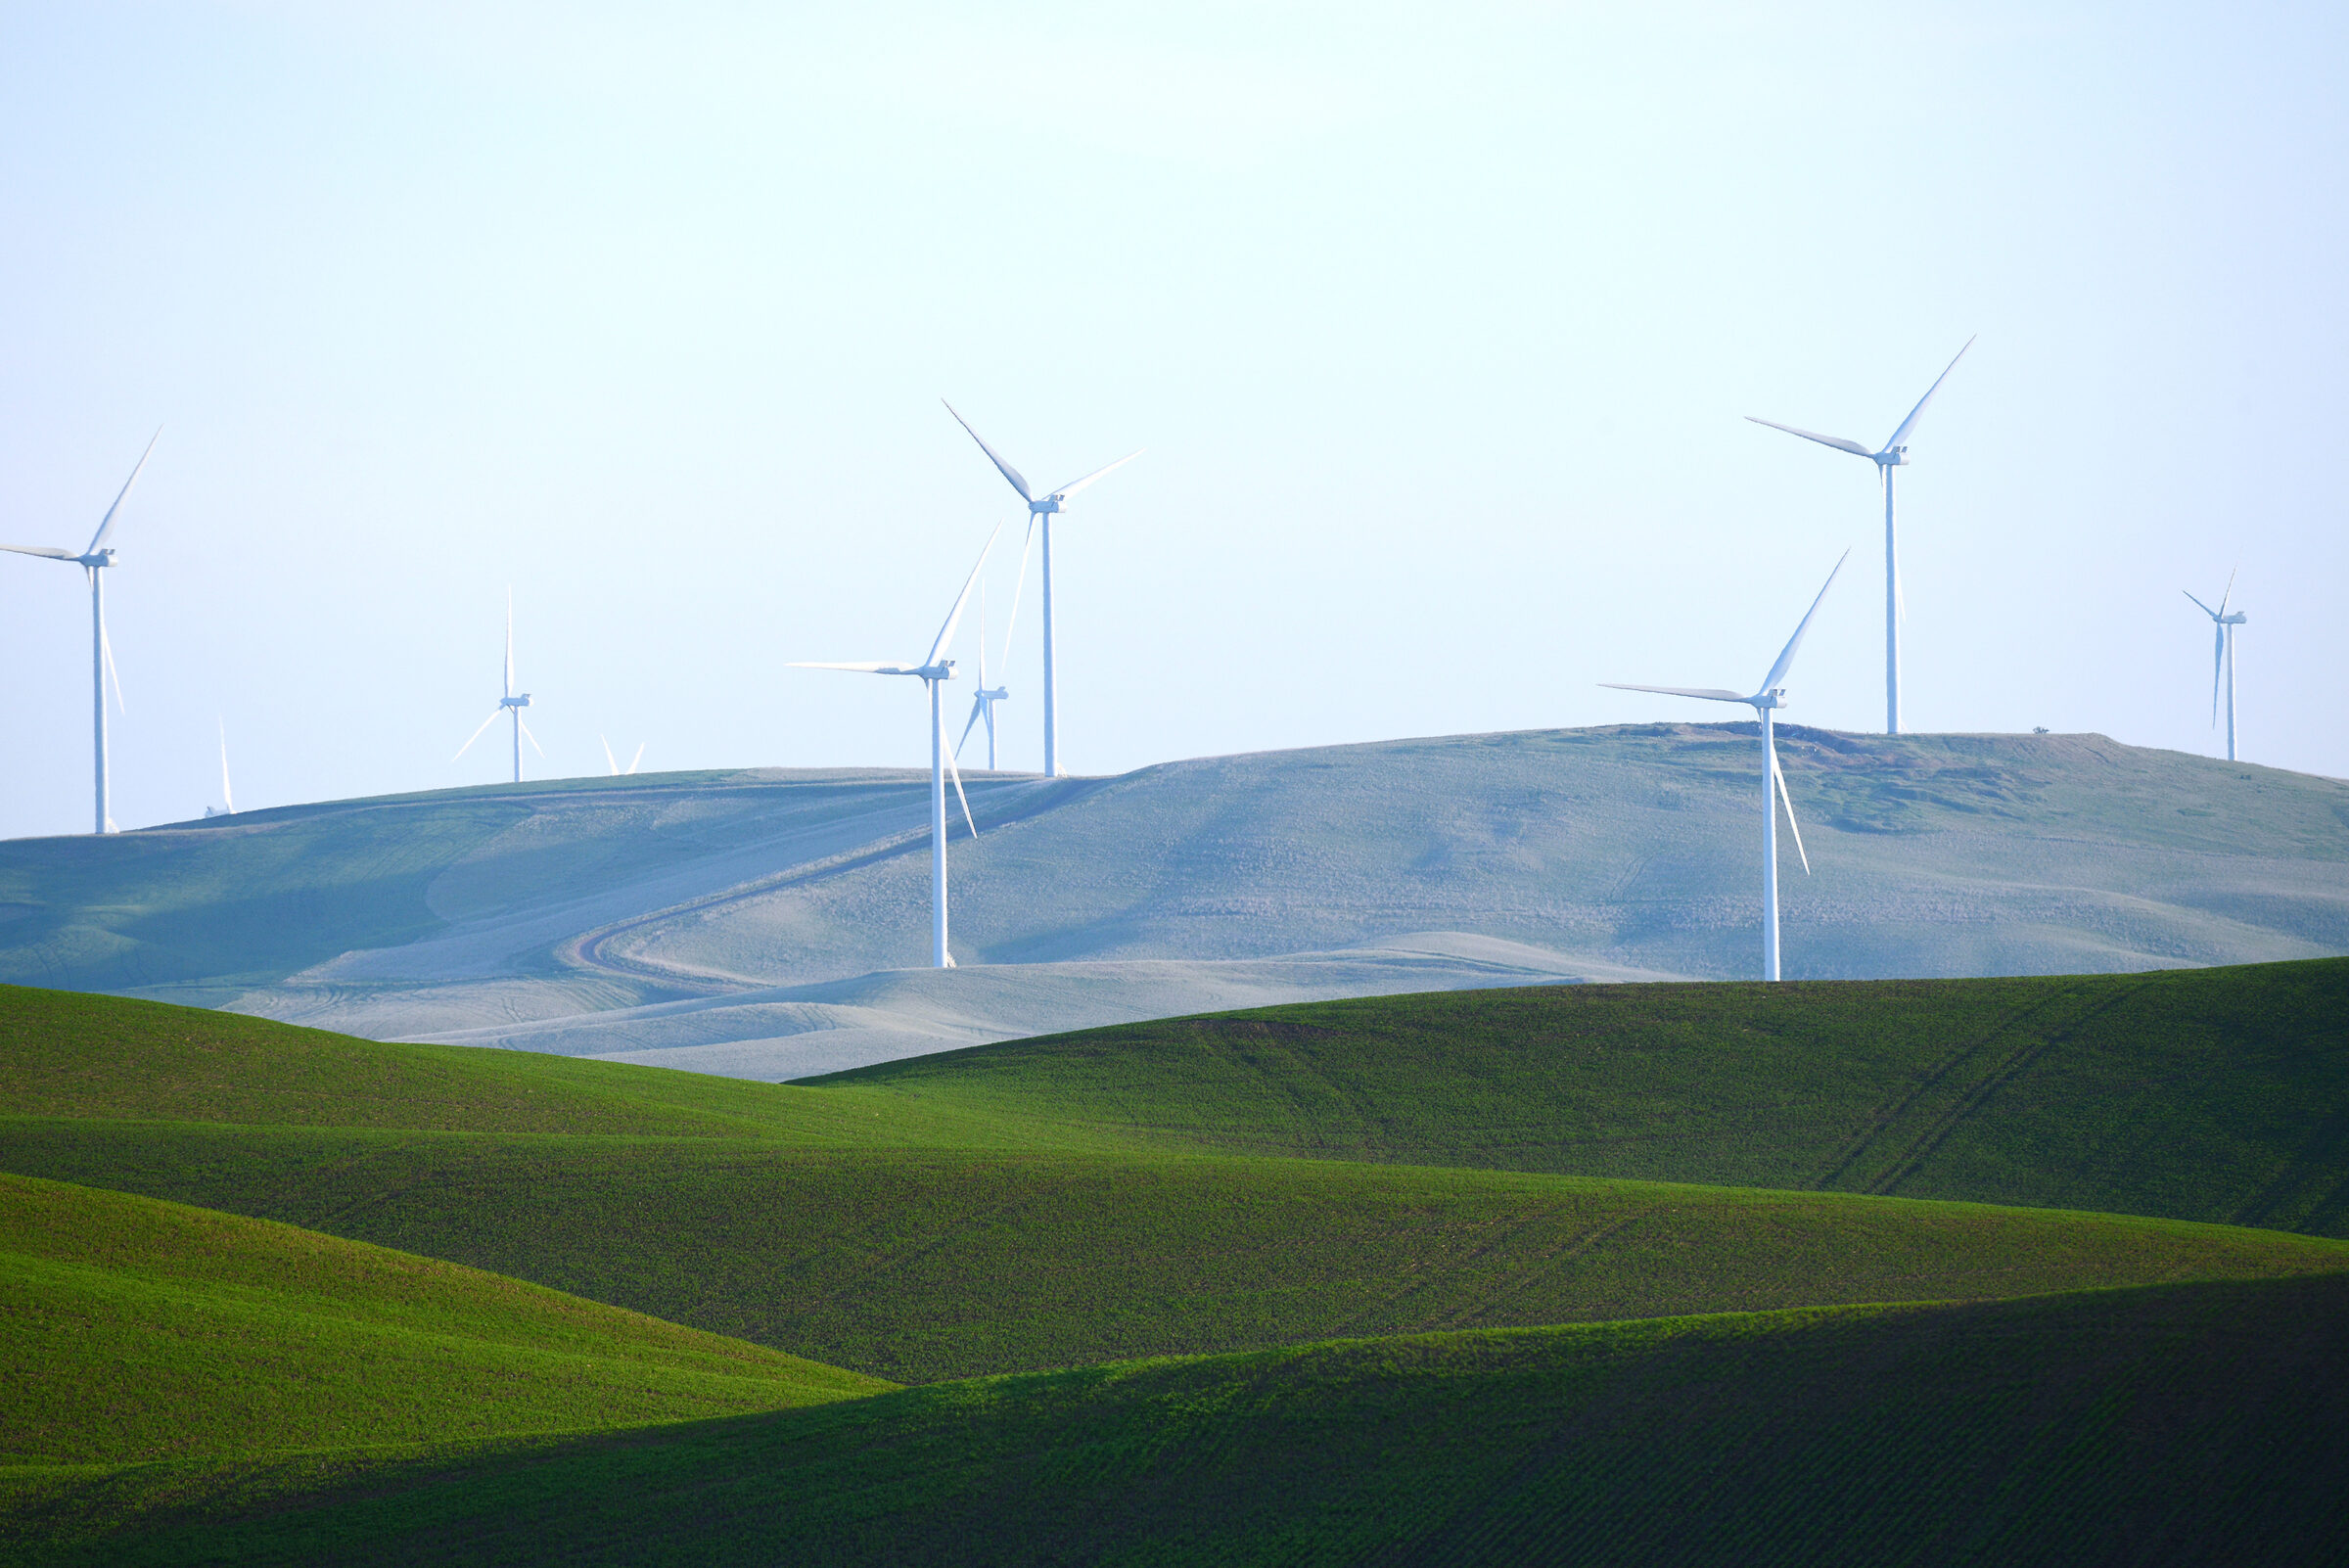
2222,656
228,797
512,702
1043,510
93,561
935,672
1766,702
612,763
983,699
1893,453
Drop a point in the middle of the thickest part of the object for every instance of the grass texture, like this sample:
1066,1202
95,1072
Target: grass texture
2218,1095
137,1330
2163,1425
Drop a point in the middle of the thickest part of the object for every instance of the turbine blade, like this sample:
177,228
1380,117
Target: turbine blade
227,796
639,757
864,668
1010,473
2230,593
610,761
1777,671
946,633
1910,423
1836,441
106,526
509,641
49,550
1019,583
527,735
1074,485
106,645
477,734
955,773
1711,693
2199,605
1779,774
977,703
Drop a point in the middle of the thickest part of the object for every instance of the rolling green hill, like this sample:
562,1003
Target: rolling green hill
2178,1425
937,1224
2215,1094
136,1330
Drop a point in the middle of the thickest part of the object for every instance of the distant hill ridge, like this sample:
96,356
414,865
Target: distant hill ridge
771,924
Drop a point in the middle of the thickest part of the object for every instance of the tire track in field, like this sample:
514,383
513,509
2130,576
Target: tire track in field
1937,1131
1886,1117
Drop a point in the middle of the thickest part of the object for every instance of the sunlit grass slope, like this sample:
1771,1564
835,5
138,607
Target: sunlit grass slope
2178,1425
921,1264
132,1330
2218,1095
894,1227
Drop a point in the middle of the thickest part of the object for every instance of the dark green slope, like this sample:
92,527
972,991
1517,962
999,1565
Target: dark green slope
132,1330
922,1264
2219,1094
2190,1424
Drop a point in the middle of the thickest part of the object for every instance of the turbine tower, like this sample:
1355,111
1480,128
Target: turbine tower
1893,453
513,702
94,560
1765,703
1043,510
935,672
2222,656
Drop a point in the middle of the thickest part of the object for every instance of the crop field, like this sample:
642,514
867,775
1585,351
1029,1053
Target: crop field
2167,1424
1966,1268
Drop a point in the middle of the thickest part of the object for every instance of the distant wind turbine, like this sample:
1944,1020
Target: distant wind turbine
1042,508
983,699
935,672
94,560
1893,453
2222,656
1765,702
228,797
612,763
512,702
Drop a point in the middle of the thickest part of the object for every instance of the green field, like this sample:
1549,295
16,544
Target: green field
2199,1094
1523,1213
132,1330
2170,1425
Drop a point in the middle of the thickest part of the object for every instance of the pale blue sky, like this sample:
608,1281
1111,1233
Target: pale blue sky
1438,323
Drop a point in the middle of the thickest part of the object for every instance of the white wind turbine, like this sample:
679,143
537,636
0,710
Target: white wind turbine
1042,509
2222,656
612,763
983,699
94,560
1765,702
1893,453
935,672
228,797
512,702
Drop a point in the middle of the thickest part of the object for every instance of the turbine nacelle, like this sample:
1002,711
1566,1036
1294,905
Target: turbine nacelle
1050,503
1891,458
95,559
523,700
1776,697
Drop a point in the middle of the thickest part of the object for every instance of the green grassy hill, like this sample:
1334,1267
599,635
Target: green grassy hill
136,1330
960,1219
2215,1094
2171,1425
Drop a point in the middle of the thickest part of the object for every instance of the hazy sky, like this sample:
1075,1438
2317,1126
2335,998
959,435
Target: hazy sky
1438,323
